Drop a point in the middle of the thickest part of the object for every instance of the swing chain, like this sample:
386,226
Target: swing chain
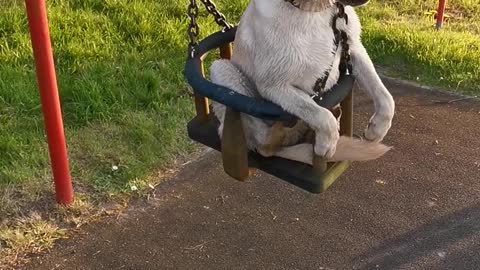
193,28
219,17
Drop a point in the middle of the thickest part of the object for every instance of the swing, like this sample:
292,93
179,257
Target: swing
237,159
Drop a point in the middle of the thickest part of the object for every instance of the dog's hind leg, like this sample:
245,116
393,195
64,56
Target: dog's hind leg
299,103
223,72
275,139
260,136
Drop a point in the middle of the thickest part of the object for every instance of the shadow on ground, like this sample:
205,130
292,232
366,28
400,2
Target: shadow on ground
454,239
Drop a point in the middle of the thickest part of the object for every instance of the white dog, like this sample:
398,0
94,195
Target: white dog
282,48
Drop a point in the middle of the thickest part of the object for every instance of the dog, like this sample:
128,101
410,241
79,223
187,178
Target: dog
282,49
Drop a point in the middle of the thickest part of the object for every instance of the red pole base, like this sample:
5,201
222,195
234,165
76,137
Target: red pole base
441,13
47,84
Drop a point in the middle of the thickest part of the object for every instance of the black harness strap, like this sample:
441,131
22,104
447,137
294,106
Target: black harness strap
340,39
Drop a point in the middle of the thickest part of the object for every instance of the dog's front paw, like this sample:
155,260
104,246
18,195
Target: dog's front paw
378,127
326,138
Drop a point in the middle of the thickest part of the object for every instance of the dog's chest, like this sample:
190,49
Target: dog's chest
308,46
308,51
288,46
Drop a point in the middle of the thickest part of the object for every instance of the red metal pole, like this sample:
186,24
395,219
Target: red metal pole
441,13
47,84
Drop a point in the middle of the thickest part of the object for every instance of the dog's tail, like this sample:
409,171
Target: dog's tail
357,150
348,149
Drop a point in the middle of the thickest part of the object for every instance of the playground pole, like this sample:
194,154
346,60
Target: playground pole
47,84
441,13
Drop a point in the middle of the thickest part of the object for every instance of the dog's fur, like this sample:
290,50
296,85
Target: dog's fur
280,51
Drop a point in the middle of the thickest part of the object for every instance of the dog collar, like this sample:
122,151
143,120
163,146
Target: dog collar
293,3
312,6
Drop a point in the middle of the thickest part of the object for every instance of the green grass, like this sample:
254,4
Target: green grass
119,67
402,38
123,96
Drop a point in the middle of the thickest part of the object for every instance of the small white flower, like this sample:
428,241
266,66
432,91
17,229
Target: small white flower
133,188
114,168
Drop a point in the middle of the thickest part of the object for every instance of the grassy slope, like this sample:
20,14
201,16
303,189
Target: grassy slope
398,35
124,100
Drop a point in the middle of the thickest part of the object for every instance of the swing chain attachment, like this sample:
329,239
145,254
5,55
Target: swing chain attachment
218,16
193,28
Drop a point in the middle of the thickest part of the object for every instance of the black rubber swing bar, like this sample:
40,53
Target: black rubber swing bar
259,108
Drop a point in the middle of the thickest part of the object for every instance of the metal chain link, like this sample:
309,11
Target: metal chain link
341,38
193,28
218,16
